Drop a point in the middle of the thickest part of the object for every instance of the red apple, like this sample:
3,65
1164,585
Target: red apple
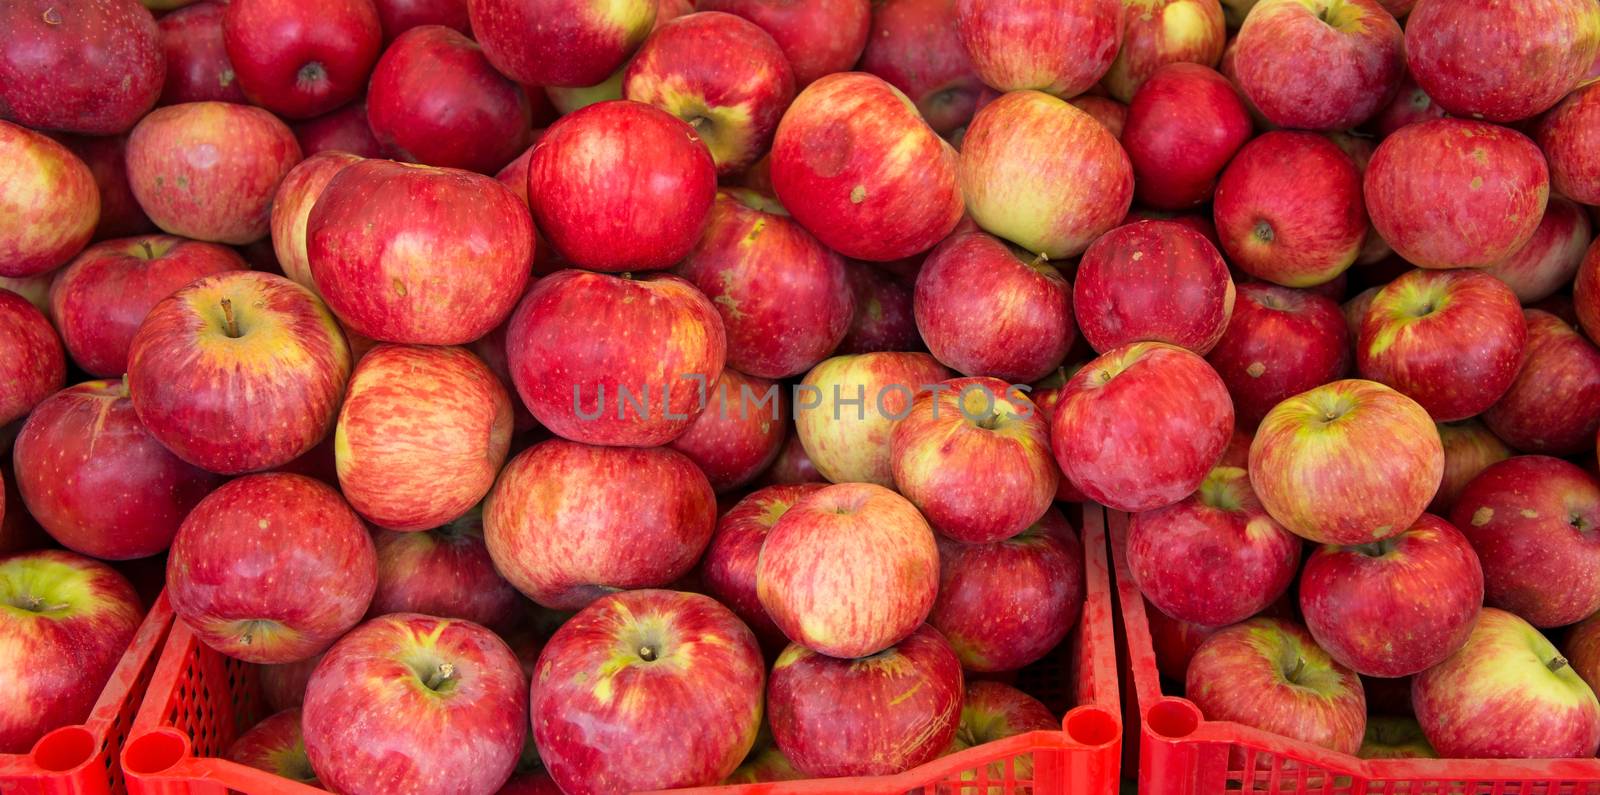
1062,47
1450,340
398,259
739,433
445,572
1319,64
209,170
1162,32
819,37
857,166
291,209
1484,189
49,203
238,372
1549,261
1174,642
720,73
1043,174
300,60
1567,136
271,568
1155,281
846,407
993,711
421,436
435,99
1506,694
1355,310
614,360
198,69
342,130
915,46
1582,648
873,717
276,746
628,518
1111,114
67,622
34,366
1586,294
559,42
413,703
885,316
1280,342
1004,605
120,213
1216,557
1411,105
784,298
283,685
96,480
1139,427
399,16
90,67
1469,448
685,656
729,566
1528,517
1394,607
1183,127
100,299
1289,209
1553,407
791,466
1482,60
849,571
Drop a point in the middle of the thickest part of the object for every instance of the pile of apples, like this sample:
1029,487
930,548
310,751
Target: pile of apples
589,397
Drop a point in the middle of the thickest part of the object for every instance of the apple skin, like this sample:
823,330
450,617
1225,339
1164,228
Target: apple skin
1395,607
1553,407
397,259
994,711
559,42
1270,674
1550,260
1043,174
728,568
791,466
587,349
298,60
1347,58
784,298
283,685
1289,209
1279,342
1004,605
342,130
631,518
271,568
643,207
1528,518
1486,188
35,365
94,613
857,166
399,16
885,316
1450,340
291,210
96,480
276,746
913,691
655,657
739,433
445,572
970,426
49,200
1506,675
373,724
209,170
88,67
106,157
1183,126
1156,34
1062,47
819,37
1582,648
1177,553
1394,737
849,441
435,99
254,404
1480,60
849,571
197,62
1469,448
1156,281
1111,114
1139,427
914,46
421,435
1586,294
100,299
720,73
1174,642
1568,138
1018,328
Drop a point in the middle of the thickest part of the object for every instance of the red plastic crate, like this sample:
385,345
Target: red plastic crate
199,701
1181,753
83,759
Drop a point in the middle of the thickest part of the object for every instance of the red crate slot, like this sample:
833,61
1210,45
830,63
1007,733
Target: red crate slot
200,700
82,759
1181,753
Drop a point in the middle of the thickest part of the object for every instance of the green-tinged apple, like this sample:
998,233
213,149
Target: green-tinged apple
1469,448
1063,47
560,42
1160,32
277,746
1395,737
49,203
728,568
993,711
35,366
846,408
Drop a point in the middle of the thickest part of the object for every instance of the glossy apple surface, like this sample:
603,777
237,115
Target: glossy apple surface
1279,342
1319,64
49,200
728,568
90,67
1553,407
1469,448
35,366
819,37
1162,32
299,60
276,746
559,42
342,130
445,572
1567,136
916,47
1183,126
1153,281
1061,46
846,407
197,61
291,209
1551,258
739,433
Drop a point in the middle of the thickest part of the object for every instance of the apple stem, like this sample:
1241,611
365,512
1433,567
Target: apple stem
149,252
1557,663
1294,673
229,322
440,675
647,653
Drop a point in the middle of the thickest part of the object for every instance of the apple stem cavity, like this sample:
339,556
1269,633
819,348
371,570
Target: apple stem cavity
439,676
647,653
1556,663
311,74
230,324
1263,232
